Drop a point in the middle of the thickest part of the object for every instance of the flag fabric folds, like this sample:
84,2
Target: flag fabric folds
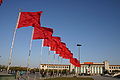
59,47
1,1
75,62
47,42
66,53
42,33
29,19
52,42
55,42
33,19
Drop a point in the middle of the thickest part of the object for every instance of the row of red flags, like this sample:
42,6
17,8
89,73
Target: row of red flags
33,19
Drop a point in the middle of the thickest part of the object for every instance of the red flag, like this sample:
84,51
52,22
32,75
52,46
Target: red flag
75,62
55,42
47,42
29,19
66,53
60,48
42,33
1,1
52,42
66,56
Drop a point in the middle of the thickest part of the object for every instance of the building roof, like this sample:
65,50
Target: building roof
55,65
91,63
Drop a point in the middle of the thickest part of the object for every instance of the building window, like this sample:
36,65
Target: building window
110,70
114,67
110,67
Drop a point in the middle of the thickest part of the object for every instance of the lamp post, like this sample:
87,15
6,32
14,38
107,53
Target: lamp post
79,51
79,56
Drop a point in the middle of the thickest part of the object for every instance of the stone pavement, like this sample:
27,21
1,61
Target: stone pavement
104,78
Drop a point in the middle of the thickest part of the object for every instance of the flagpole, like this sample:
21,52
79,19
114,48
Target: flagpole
11,49
61,63
48,59
49,55
54,65
28,62
41,50
58,64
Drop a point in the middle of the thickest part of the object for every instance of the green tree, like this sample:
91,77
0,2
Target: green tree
106,72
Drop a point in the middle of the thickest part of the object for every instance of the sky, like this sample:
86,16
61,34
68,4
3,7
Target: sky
95,24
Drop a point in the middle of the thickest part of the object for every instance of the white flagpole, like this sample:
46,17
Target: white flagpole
11,49
61,60
61,64
48,60
58,64
28,62
30,48
54,65
49,56
41,50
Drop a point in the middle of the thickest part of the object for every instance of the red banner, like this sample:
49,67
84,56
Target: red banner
29,19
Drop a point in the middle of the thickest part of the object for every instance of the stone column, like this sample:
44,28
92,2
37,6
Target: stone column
95,69
101,70
84,69
81,70
92,69
98,70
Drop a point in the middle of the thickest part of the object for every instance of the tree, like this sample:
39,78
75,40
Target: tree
106,72
115,71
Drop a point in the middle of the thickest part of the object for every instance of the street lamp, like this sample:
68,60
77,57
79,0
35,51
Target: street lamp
79,51
79,56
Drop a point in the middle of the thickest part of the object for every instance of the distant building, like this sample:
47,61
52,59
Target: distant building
89,68
54,66
86,67
114,68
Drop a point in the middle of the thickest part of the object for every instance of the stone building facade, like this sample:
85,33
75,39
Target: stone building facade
86,67
54,66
